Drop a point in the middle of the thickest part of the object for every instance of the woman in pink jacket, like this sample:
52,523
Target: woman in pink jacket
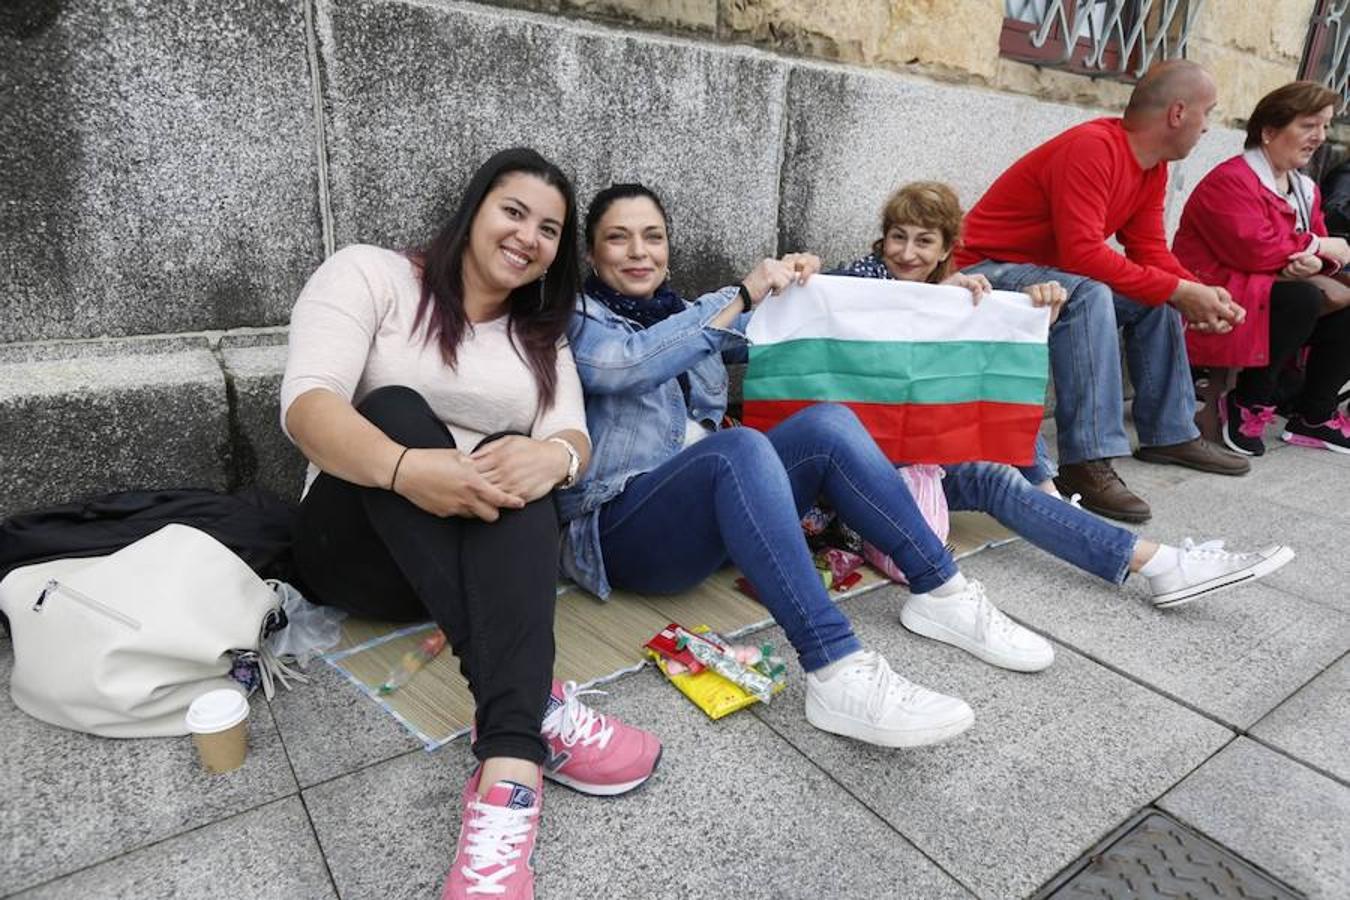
1254,225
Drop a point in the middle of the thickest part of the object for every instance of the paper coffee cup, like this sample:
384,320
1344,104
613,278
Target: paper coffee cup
218,721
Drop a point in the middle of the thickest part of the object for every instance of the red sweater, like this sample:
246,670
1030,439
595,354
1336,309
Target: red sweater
1057,206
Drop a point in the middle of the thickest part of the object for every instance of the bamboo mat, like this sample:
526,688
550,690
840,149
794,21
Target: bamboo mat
596,640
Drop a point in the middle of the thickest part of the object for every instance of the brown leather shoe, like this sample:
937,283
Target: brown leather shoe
1197,454
1101,490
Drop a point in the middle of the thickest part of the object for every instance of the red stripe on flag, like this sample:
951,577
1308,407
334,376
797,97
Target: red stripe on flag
930,433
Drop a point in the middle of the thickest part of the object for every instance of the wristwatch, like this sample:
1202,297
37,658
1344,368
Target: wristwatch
744,292
573,461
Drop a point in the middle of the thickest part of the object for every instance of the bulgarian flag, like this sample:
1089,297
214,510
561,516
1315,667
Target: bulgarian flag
933,377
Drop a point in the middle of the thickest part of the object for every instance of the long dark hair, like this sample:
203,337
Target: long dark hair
538,315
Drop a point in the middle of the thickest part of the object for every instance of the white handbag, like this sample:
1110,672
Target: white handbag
120,645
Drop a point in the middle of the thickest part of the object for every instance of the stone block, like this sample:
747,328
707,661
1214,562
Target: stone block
699,124
1242,77
854,136
159,167
1287,819
691,15
959,38
1058,86
82,418
851,30
1289,28
261,452
267,852
73,800
1053,761
1313,726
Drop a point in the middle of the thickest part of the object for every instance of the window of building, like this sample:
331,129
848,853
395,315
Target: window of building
1326,52
1102,38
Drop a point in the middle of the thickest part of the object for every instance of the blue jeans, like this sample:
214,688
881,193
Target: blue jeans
1075,536
739,495
1085,363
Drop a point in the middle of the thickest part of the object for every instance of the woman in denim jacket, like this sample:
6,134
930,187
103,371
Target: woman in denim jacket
920,227
671,495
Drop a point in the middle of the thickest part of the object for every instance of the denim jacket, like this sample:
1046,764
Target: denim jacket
635,408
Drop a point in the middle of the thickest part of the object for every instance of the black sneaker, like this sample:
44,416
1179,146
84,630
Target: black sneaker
1333,434
1243,426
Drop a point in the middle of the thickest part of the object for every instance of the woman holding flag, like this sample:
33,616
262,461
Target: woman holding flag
920,227
671,494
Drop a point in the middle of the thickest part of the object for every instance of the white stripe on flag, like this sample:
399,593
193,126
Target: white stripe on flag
875,309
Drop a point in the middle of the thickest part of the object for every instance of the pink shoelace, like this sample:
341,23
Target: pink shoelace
1255,419
1340,422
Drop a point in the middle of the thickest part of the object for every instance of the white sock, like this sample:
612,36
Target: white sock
1165,560
951,587
828,671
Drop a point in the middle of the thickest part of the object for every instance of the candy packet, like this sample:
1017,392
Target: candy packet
727,677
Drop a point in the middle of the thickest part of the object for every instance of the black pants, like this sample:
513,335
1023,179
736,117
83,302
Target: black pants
491,586
1295,322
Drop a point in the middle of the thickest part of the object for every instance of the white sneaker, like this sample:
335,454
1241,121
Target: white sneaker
869,702
969,621
1205,568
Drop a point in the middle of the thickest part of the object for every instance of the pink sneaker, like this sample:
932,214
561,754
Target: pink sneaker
495,854
1333,434
593,753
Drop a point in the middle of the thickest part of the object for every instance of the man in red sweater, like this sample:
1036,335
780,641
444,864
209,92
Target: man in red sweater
1048,218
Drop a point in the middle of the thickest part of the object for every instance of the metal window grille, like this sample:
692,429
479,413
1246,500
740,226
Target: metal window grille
1326,52
1105,38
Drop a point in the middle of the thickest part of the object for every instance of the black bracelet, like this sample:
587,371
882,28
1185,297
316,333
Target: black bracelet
393,478
746,303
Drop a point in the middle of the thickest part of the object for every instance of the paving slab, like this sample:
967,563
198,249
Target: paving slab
698,123
1246,515
262,454
1053,762
731,805
1235,656
1313,725
160,167
269,852
330,728
87,417
1285,818
72,800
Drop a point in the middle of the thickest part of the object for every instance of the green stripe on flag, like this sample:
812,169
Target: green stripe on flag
898,372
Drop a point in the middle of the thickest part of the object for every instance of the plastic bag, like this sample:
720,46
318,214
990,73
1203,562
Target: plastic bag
310,630
925,485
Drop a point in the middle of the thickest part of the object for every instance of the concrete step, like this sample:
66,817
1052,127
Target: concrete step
86,417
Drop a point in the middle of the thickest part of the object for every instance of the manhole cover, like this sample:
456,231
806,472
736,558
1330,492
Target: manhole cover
1155,856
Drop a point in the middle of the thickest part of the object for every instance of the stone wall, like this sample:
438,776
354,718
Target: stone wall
172,173
1251,47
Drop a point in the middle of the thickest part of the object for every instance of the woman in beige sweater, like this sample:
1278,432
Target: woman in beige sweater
437,401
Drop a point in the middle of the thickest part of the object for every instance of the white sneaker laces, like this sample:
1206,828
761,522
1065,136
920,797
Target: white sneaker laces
991,619
884,686
575,721
495,832
1208,551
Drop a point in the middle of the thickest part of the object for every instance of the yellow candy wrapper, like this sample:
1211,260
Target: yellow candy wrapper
710,692
714,694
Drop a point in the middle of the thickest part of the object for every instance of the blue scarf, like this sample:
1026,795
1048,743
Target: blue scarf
870,266
641,311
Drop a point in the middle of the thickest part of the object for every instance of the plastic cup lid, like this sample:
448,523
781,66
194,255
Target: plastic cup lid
216,711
